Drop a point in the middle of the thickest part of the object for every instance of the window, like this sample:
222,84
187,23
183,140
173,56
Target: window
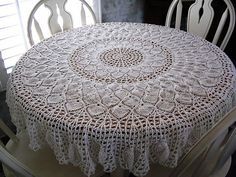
12,43
13,37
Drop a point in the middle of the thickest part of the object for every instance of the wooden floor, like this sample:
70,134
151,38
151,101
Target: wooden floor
4,114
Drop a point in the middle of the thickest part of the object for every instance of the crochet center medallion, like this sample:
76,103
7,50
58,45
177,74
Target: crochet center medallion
121,60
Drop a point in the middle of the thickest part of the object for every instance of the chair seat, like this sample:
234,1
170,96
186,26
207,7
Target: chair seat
46,164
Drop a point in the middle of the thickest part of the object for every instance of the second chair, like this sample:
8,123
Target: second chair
203,20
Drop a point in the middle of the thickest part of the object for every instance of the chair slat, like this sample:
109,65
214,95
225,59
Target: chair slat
12,163
170,12
204,11
220,27
38,29
66,16
8,131
89,9
231,24
178,14
53,19
82,14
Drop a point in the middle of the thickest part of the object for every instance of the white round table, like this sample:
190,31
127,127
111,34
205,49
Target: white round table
120,94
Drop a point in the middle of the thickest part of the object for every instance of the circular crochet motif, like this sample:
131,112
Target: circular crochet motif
121,60
121,57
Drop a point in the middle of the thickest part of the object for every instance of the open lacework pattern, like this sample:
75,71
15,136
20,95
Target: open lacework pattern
120,94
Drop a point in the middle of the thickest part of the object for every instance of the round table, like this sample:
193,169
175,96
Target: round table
120,94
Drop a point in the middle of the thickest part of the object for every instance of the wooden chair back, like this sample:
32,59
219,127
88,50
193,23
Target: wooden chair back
212,152
200,17
59,19
210,156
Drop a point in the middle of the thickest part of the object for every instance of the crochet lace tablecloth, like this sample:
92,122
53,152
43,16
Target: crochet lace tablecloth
120,94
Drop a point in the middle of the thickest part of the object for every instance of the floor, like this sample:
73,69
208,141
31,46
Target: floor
4,114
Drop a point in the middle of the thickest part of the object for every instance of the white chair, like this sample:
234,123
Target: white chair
60,17
19,160
209,157
200,17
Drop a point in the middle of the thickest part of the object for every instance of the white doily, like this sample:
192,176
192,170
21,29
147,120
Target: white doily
120,94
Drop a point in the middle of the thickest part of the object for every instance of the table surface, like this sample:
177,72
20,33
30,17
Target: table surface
120,94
